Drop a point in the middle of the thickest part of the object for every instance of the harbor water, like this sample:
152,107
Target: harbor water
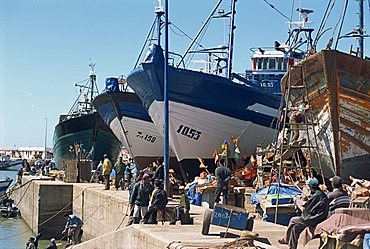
14,232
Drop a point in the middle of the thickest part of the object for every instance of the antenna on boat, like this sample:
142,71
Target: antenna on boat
295,40
92,80
159,11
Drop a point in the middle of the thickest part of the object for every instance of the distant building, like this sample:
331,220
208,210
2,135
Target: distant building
28,153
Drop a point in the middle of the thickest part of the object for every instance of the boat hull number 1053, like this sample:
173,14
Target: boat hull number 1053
189,132
146,137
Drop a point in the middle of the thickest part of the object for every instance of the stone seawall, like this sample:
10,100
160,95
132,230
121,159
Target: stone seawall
104,213
42,204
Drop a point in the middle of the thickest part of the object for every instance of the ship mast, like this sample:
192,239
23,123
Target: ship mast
361,29
231,41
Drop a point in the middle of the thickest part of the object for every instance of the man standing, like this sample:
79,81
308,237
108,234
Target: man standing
140,197
159,172
73,227
223,176
315,211
120,168
107,168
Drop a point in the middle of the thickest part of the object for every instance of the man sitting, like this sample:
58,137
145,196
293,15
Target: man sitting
315,211
158,202
339,197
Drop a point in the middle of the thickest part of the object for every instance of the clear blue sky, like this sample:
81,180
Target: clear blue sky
45,46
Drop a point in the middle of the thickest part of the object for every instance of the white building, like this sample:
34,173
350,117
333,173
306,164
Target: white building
28,152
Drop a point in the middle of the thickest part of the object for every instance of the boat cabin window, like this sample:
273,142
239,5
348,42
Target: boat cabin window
285,64
272,63
259,63
279,63
265,60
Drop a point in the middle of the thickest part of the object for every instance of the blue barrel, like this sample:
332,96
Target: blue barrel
230,216
111,85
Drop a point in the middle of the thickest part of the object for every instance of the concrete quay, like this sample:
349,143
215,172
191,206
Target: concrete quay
43,202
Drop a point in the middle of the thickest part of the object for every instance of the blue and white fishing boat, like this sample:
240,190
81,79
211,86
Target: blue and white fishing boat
124,113
8,163
205,107
269,64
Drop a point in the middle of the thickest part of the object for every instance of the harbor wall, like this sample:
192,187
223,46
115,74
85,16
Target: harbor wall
42,204
101,212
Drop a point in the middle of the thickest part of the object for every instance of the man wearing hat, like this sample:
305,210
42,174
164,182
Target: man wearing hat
52,244
315,211
140,197
339,197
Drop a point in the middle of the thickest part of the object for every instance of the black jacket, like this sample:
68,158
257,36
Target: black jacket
223,176
159,199
159,173
316,208
141,194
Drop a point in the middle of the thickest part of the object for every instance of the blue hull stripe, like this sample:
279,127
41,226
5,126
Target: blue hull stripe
127,104
210,92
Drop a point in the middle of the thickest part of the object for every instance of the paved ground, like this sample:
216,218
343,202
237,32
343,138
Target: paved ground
189,236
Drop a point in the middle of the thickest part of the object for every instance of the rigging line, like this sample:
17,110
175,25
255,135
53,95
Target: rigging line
341,17
281,13
124,217
76,101
178,34
291,16
272,121
146,41
186,35
328,10
341,25
198,44
86,206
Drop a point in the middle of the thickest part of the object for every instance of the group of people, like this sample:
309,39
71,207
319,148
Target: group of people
316,209
147,196
120,173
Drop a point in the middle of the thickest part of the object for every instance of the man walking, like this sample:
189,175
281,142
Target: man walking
107,168
120,168
223,176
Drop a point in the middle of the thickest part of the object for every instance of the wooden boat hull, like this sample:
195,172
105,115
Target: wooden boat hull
339,95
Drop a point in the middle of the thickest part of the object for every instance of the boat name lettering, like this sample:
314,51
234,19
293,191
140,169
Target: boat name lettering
266,83
146,137
218,215
189,132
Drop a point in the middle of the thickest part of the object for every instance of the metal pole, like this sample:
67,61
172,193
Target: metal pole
46,135
166,109
231,41
361,28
